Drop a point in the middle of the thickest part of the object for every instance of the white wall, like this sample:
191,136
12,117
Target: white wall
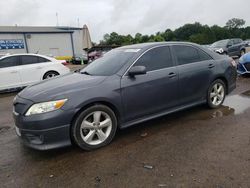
12,36
78,44
57,44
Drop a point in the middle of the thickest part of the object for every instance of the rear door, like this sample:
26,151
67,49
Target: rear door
32,68
195,69
235,48
153,92
10,73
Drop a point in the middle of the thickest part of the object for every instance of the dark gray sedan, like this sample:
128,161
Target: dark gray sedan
126,86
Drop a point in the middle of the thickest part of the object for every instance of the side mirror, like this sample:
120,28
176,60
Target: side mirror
137,70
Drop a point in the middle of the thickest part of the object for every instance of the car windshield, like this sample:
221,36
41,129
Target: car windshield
221,43
110,63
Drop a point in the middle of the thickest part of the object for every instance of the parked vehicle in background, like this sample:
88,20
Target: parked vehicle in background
128,85
244,64
94,55
21,70
80,58
231,47
206,45
247,44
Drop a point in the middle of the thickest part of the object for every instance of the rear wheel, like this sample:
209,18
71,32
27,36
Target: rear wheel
216,94
50,74
95,127
242,52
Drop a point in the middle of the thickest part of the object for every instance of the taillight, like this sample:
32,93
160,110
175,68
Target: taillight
65,63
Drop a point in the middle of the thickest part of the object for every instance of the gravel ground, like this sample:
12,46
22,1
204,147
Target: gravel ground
193,148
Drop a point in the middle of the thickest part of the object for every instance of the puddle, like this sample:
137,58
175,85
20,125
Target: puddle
240,103
233,105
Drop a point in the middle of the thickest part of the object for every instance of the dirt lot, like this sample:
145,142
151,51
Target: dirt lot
194,148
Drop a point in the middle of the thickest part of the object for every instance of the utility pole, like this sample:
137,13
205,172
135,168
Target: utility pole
57,20
78,22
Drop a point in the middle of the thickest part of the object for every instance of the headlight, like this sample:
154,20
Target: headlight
43,107
220,50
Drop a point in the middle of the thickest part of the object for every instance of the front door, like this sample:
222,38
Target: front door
153,92
10,73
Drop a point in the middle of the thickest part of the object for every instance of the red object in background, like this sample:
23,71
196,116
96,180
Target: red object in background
65,63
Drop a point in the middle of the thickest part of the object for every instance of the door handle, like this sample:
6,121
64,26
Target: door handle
211,66
14,72
172,74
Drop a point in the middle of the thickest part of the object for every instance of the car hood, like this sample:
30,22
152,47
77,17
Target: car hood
60,87
216,48
245,59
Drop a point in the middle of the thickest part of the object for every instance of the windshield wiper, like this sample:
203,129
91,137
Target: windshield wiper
85,72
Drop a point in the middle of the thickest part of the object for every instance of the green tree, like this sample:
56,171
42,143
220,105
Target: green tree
235,23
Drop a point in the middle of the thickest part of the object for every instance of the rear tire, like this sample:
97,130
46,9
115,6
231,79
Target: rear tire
50,74
242,52
216,94
95,127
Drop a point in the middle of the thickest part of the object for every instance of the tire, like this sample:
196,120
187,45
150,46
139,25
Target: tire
216,94
90,134
50,74
242,52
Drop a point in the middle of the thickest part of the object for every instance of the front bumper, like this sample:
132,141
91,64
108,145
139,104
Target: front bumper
42,131
243,68
45,139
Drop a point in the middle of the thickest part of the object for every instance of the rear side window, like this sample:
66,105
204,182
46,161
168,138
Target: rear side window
237,41
9,62
157,58
189,54
27,60
203,55
42,60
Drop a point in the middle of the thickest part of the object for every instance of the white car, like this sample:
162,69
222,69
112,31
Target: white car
21,70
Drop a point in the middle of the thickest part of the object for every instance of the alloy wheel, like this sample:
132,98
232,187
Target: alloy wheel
217,94
96,127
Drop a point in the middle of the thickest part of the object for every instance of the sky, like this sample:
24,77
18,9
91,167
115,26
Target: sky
121,16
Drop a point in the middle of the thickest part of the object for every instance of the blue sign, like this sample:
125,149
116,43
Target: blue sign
11,44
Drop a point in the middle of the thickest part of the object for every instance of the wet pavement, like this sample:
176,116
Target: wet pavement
197,147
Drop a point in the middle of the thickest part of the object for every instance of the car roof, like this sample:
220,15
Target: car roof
27,54
145,46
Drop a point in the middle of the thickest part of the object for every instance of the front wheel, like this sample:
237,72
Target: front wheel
216,94
95,127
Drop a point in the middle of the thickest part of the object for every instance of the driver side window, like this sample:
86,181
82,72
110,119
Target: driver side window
156,58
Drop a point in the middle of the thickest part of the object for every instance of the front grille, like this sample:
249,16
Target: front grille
247,66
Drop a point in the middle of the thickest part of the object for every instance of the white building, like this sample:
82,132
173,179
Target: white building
53,41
